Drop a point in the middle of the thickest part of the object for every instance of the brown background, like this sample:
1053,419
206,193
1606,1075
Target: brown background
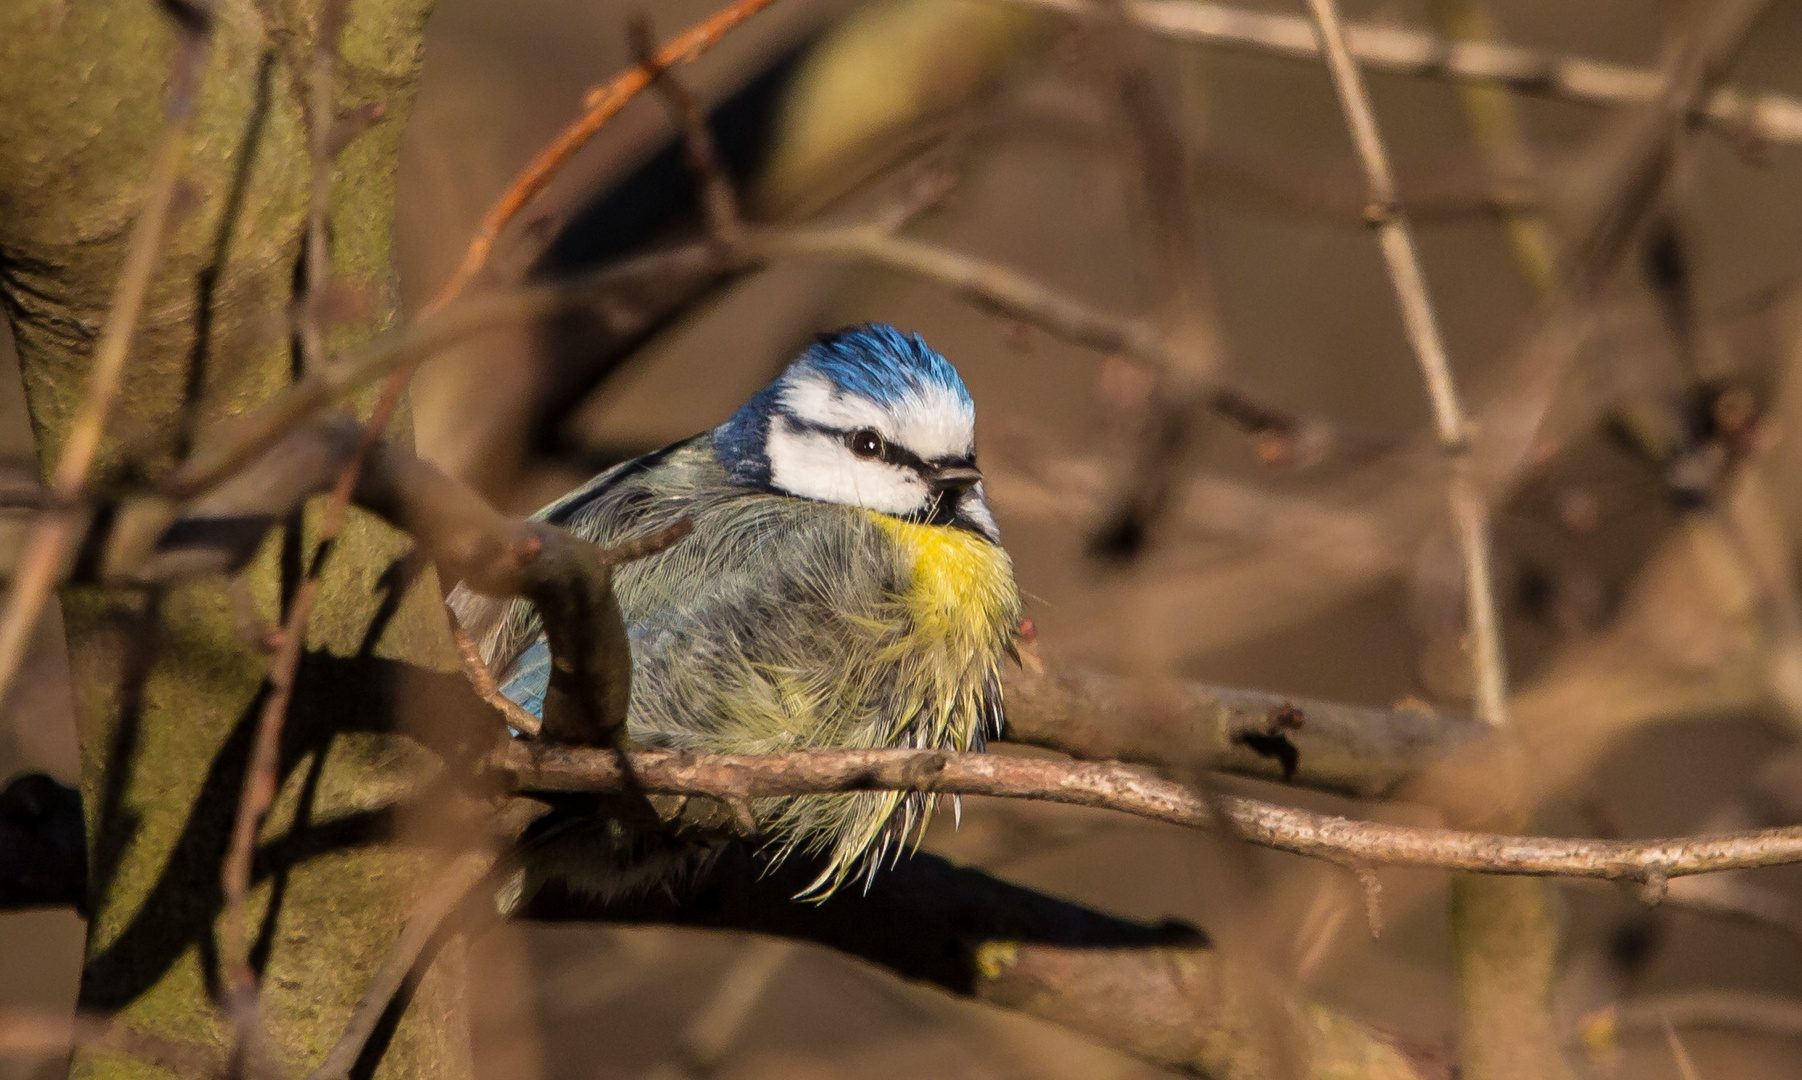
1311,326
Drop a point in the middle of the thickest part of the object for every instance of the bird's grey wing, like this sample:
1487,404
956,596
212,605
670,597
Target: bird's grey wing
763,629
616,504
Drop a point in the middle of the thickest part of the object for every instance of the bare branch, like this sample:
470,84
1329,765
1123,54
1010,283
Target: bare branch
43,1035
718,199
1158,992
1470,512
1325,746
602,105
1117,787
1763,118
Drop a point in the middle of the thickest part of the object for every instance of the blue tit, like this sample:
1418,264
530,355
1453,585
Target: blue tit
844,586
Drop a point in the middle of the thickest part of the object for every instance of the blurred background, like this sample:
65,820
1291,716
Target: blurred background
1283,562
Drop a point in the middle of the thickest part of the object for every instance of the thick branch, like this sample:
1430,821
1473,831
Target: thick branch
1157,992
1326,746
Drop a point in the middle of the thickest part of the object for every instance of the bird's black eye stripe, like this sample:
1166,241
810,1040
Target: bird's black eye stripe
885,451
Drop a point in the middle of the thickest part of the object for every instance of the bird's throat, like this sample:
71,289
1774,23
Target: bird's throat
962,586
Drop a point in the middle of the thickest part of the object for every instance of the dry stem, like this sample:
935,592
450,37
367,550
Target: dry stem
1110,786
1470,512
1747,117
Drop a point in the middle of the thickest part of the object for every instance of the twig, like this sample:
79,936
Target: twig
1686,1067
262,771
322,120
43,1035
602,105
443,897
989,285
1734,1010
1470,513
1183,298
1773,118
483,680
1495,127
53,534
535,767
718,199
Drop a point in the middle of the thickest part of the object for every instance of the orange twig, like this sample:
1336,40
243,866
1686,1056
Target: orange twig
603,104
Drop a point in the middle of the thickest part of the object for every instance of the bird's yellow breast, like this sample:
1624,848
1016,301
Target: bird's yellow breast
962,586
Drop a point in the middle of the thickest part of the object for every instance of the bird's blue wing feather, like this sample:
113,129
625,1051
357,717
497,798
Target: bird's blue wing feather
530,678
509,633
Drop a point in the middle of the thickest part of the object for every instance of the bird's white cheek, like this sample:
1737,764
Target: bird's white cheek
818,466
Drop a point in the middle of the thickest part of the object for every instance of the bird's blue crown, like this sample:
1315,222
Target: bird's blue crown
874,361
879,362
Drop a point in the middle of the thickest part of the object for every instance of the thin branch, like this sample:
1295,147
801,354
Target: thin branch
53,534
262,772
45,1035
483,681
718,199
1470,513
1730,1010
989,285
444,896
1110,786
602,105
1774,118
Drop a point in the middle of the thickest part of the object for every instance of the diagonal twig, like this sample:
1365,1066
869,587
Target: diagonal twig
718,200
443,897
1470,512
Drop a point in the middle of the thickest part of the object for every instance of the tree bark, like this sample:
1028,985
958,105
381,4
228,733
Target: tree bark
168,686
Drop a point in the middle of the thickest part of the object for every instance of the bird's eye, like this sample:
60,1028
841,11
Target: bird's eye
866,443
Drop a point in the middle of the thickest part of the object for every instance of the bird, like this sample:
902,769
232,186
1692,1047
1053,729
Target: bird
843,586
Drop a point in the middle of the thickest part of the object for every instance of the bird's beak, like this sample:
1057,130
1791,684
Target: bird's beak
956,480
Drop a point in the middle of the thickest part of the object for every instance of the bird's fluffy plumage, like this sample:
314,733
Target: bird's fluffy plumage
831,599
